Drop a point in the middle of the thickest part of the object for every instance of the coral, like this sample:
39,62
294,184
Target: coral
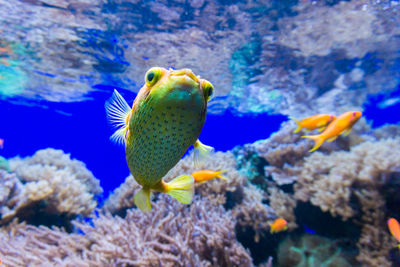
215,190
253,213
375,242
317,31
245,200
48,182
273,157
327,181
283,205
171,235
122,197
4,164
310,251
279,56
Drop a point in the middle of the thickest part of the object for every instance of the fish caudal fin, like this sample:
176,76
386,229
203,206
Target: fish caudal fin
318,141
142,199
218,175
181,188
299,127
117,113
201,153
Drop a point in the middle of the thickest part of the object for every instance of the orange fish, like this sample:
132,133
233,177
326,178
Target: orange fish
394,229
314,122
206,175
1,143
5,63
342,123
278,225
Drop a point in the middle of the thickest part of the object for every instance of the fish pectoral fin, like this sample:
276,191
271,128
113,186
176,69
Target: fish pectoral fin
332,139
201,153
346,133
299,127
142,199
117,114
321,129
181,188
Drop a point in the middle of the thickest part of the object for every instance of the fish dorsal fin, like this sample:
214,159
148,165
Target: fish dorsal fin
117,113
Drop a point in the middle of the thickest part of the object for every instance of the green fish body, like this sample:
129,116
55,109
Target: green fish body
166,118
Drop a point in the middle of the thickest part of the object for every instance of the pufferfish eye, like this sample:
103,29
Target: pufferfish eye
152,76
208,90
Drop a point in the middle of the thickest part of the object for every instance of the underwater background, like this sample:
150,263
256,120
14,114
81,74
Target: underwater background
66,193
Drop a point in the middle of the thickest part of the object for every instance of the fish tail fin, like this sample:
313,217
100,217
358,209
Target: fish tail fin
117,114
201,153
299,127
318,141
218,175
142,199
181,188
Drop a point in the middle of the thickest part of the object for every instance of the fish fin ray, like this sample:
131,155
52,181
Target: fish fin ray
181,188
142,199
117,113
220,176
201,153
347,132
332,139
299,127
318,141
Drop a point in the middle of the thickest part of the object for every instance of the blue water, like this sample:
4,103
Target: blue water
82,130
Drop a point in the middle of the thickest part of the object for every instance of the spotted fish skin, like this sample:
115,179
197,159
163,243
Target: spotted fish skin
164,123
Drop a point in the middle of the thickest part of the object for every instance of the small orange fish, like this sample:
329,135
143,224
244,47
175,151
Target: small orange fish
342,123
5,62
314,122
278,225
394,229
1,143
206,175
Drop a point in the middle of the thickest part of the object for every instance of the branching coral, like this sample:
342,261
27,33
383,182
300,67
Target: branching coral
49,182
253,213
328,180
245,200
283,205
375,242
171,235
215,190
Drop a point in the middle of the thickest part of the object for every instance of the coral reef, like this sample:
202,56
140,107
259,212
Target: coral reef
171,235
310,251
4,164
266,180
347,179
214,190
50,183
244,199
328,181
375,242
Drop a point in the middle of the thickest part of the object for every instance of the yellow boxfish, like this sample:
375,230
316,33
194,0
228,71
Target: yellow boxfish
166,118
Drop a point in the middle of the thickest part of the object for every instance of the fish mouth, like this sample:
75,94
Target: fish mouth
185,75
